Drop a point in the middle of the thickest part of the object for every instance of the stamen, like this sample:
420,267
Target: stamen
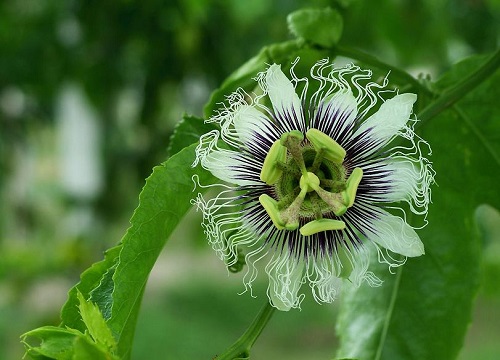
316,226
286,219
292,142
330,149
334,185
271,170
285,215
271,207
336,201
318,159
352,185
290,216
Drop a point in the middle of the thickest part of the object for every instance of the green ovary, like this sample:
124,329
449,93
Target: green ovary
310,181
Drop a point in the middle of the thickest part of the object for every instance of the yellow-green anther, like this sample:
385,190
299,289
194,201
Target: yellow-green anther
352,186
336,201
346,200
330,149
271,207
309,182
270,172
316,226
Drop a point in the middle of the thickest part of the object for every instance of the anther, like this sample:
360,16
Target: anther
336,201
316,226
271,207
290,216
283,219
352,185
328,147
271,171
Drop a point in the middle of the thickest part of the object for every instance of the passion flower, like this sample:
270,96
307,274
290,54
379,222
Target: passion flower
309,181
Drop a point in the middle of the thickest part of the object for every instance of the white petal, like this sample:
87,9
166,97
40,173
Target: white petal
390,117
360,273
394,234
329,290
285,279
232,167
324,282
327,281
248,121
402,179
284,99
343,104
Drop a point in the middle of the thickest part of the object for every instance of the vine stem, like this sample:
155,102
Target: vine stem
455,93
241,348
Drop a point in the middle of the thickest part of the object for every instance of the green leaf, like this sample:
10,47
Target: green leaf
55,342
91,279
321,27
85,349
283,53
423,311
116,284
96,325
458,71
163,202
102,295
64,344
187,132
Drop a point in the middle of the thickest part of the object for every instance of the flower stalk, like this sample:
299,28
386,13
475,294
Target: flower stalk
241,348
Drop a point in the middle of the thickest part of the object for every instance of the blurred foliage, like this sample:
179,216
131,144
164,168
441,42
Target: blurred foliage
142,64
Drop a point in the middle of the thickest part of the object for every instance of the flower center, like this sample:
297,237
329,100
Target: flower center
310,182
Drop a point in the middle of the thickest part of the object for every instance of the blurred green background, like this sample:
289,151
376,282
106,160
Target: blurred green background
90,92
